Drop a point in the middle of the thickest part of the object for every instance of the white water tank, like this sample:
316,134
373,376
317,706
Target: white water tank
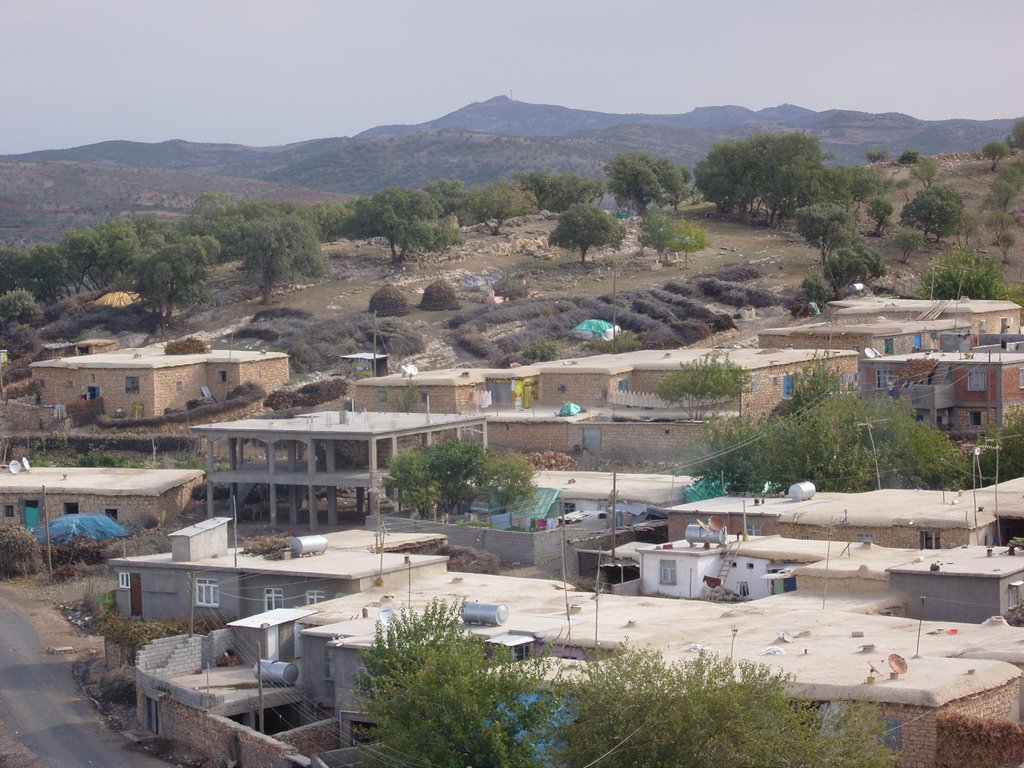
308,545
276,672
490,614
801,491
699,534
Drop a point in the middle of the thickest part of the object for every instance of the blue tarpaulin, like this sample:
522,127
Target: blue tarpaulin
68,527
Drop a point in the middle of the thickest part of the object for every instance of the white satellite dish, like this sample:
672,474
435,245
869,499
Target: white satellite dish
385,615
24,463
15,467
870,352
410,370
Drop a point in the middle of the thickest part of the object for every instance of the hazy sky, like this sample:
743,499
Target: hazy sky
265,72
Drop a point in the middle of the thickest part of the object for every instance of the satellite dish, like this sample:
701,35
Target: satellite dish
15,467
386,615
715,523
977,451
410,370
870,352
24,463
897,664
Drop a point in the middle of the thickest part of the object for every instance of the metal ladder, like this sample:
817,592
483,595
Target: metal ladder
728,555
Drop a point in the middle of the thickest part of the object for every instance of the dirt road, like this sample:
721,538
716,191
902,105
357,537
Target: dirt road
41,706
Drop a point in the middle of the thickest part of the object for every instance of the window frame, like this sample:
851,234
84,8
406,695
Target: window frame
974,418
124,580
885,377
314,596
273,597
863,537
972,380
667,572
207,593
133,385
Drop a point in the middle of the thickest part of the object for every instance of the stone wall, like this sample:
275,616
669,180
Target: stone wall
898,536
639,440
444,398
321,736
558,385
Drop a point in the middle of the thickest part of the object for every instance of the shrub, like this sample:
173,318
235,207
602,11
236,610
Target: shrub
256,332
909,157
191,345
388,301
440,295
541,350
117,686
511,288
283,313
626,341
17,304
310,395
19,552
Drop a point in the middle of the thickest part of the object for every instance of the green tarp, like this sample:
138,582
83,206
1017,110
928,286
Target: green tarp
569,409
706,487
595,328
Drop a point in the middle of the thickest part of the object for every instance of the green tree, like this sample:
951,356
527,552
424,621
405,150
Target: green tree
1010,439
410,480
827,226
44,272
691,237
880,211
407,219
658,231
497,202
541,350
17,304
995,151
440,697
878,155
712,712
174,276
584,226
909,157
449,194
328,217
1016,137
507,479
559,193
964,272
908,241
856,262
926,171
1004,241
701,385
637,178
80,250
937,210
276,246
675,182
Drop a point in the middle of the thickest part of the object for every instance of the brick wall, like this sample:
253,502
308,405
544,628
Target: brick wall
646,441
314,738
899,536
444,398
586,389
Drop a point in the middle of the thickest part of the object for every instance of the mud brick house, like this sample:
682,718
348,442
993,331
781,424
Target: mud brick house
127,495
980,316
627,381
963,392
146,382
888,338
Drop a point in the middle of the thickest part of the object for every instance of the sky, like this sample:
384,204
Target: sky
268,72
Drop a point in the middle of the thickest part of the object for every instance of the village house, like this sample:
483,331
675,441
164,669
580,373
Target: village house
886,338
321,452
58,349
903,519
127,495
979,316
203,575
963,392
146,382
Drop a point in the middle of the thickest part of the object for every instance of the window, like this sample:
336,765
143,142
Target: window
328,663
787,386
273,597
981,326
131,385
111,513
1020,378
424,398
179,386
889,345
744,589
1014,593
623,385
124,580
884,378
750,566
755,382
382,395
70,507
568,507
893,736
930,540
975,418
977,381
863,537
207,593
667,572
8,510
222,376
753,529
314,596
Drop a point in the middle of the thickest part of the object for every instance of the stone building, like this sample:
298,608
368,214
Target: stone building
888,338
147,382
127,495
981,316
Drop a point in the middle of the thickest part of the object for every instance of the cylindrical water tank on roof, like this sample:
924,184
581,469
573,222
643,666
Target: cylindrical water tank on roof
801,491
276,672
308,545
492,614
699,534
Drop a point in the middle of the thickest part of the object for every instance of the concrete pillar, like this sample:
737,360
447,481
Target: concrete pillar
233,452
332,505
360,500
293,505
272,486
292,458
209,474
483,427
313,522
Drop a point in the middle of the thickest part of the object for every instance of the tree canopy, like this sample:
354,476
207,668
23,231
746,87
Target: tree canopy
559,193
963,272
827,226
640,179
496,202
936,210
701,385
409,220
584,226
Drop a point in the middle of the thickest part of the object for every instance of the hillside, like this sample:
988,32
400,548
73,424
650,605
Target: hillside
478,143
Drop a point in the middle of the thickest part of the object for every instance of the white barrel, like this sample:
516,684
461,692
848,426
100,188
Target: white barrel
802,491
308,545
698,534
276,672
491,614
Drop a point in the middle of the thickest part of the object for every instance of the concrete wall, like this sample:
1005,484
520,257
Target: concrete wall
953,597
650,441
444,398
763,525
897,536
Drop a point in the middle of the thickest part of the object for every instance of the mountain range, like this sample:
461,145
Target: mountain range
477,143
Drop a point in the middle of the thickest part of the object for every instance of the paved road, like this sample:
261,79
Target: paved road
41,705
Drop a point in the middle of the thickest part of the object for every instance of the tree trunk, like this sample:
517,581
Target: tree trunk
268,286
583,255
396,257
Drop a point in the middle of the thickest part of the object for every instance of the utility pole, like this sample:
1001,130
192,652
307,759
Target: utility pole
871,436
373,368
46,527
191,602
259,677
615,308
615,505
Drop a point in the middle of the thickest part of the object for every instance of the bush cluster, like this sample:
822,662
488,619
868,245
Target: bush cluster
19,552
440,295
388,301
309,395
191,345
